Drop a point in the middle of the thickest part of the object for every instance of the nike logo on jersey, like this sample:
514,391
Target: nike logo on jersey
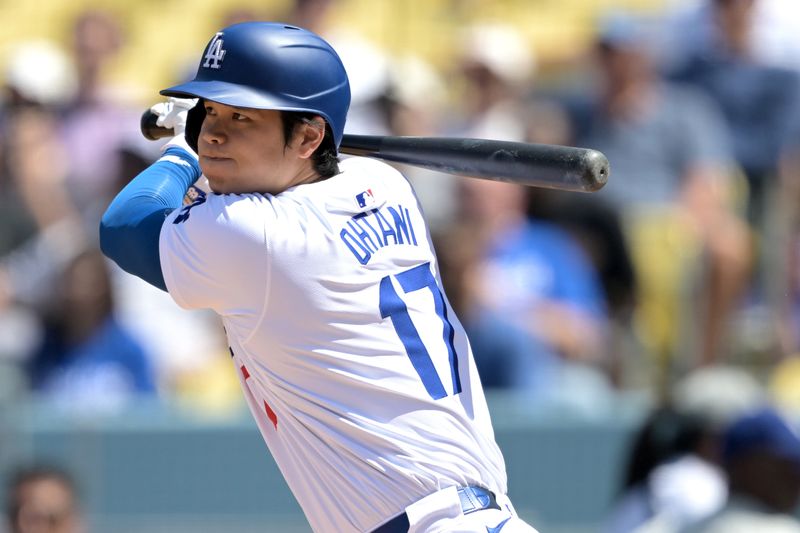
366,233
498,527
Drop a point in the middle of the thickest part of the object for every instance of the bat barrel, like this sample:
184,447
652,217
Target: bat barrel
543,165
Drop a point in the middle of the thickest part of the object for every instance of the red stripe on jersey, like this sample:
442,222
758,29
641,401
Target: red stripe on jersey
271,414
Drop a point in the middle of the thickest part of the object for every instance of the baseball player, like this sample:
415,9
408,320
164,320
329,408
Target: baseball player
355,368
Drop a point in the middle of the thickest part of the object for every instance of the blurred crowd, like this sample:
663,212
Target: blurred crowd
686,265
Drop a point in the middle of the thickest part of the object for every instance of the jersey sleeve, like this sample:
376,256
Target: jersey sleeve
214,253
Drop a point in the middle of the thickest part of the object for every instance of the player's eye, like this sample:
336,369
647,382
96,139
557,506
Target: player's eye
210,110
239,116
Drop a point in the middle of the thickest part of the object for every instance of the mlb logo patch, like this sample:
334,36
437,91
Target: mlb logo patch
365,199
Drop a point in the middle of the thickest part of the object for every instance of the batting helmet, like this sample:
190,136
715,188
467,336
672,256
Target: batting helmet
269,65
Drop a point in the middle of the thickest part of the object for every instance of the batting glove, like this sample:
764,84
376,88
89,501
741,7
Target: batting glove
172,113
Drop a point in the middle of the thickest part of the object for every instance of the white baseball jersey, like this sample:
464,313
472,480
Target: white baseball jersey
357,371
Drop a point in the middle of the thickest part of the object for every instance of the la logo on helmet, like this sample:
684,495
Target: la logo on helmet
215,52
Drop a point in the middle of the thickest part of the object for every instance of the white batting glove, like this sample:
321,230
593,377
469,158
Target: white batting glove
172,113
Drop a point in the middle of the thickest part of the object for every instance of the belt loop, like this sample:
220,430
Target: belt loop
469,502
471,499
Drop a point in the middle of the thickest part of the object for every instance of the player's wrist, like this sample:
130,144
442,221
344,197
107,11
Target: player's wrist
179,154
178,142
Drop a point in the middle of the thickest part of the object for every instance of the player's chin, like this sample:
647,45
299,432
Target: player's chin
218,183
220,179
228,184
215,187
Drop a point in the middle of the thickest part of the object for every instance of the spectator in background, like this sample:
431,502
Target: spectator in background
761,457
45,238
671,176
597,227
772,31
496,67
757,100
530,301
86,359
42,499
737,66
668,475
41,229
101,118
33,160
674,477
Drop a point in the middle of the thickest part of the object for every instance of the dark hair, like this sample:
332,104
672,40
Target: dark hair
325,160
665,434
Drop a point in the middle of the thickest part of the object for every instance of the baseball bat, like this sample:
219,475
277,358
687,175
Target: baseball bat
537,165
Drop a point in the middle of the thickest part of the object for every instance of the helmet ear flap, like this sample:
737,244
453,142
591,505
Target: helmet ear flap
194,120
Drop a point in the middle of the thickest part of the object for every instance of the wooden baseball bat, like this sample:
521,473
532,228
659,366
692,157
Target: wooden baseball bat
537,165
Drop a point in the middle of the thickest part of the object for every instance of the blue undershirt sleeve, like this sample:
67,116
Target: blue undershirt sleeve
130,227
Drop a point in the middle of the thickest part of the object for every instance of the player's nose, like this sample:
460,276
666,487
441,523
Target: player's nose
212,131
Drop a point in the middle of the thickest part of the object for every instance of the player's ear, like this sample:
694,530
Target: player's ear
309,135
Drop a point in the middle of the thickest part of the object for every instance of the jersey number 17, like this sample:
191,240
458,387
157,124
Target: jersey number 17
392,305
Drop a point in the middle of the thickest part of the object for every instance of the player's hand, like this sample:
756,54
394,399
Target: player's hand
172,113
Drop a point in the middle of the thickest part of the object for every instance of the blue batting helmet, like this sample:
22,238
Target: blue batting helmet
269,65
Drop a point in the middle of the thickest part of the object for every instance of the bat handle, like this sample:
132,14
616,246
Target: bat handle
150,128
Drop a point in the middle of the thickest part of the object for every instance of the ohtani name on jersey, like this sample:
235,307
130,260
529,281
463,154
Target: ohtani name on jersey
366,233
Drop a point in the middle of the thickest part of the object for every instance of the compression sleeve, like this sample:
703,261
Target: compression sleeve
130,227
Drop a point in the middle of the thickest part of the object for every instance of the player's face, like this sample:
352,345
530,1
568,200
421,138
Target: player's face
243,150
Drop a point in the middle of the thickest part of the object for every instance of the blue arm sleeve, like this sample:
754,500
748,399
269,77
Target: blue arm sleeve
130,227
